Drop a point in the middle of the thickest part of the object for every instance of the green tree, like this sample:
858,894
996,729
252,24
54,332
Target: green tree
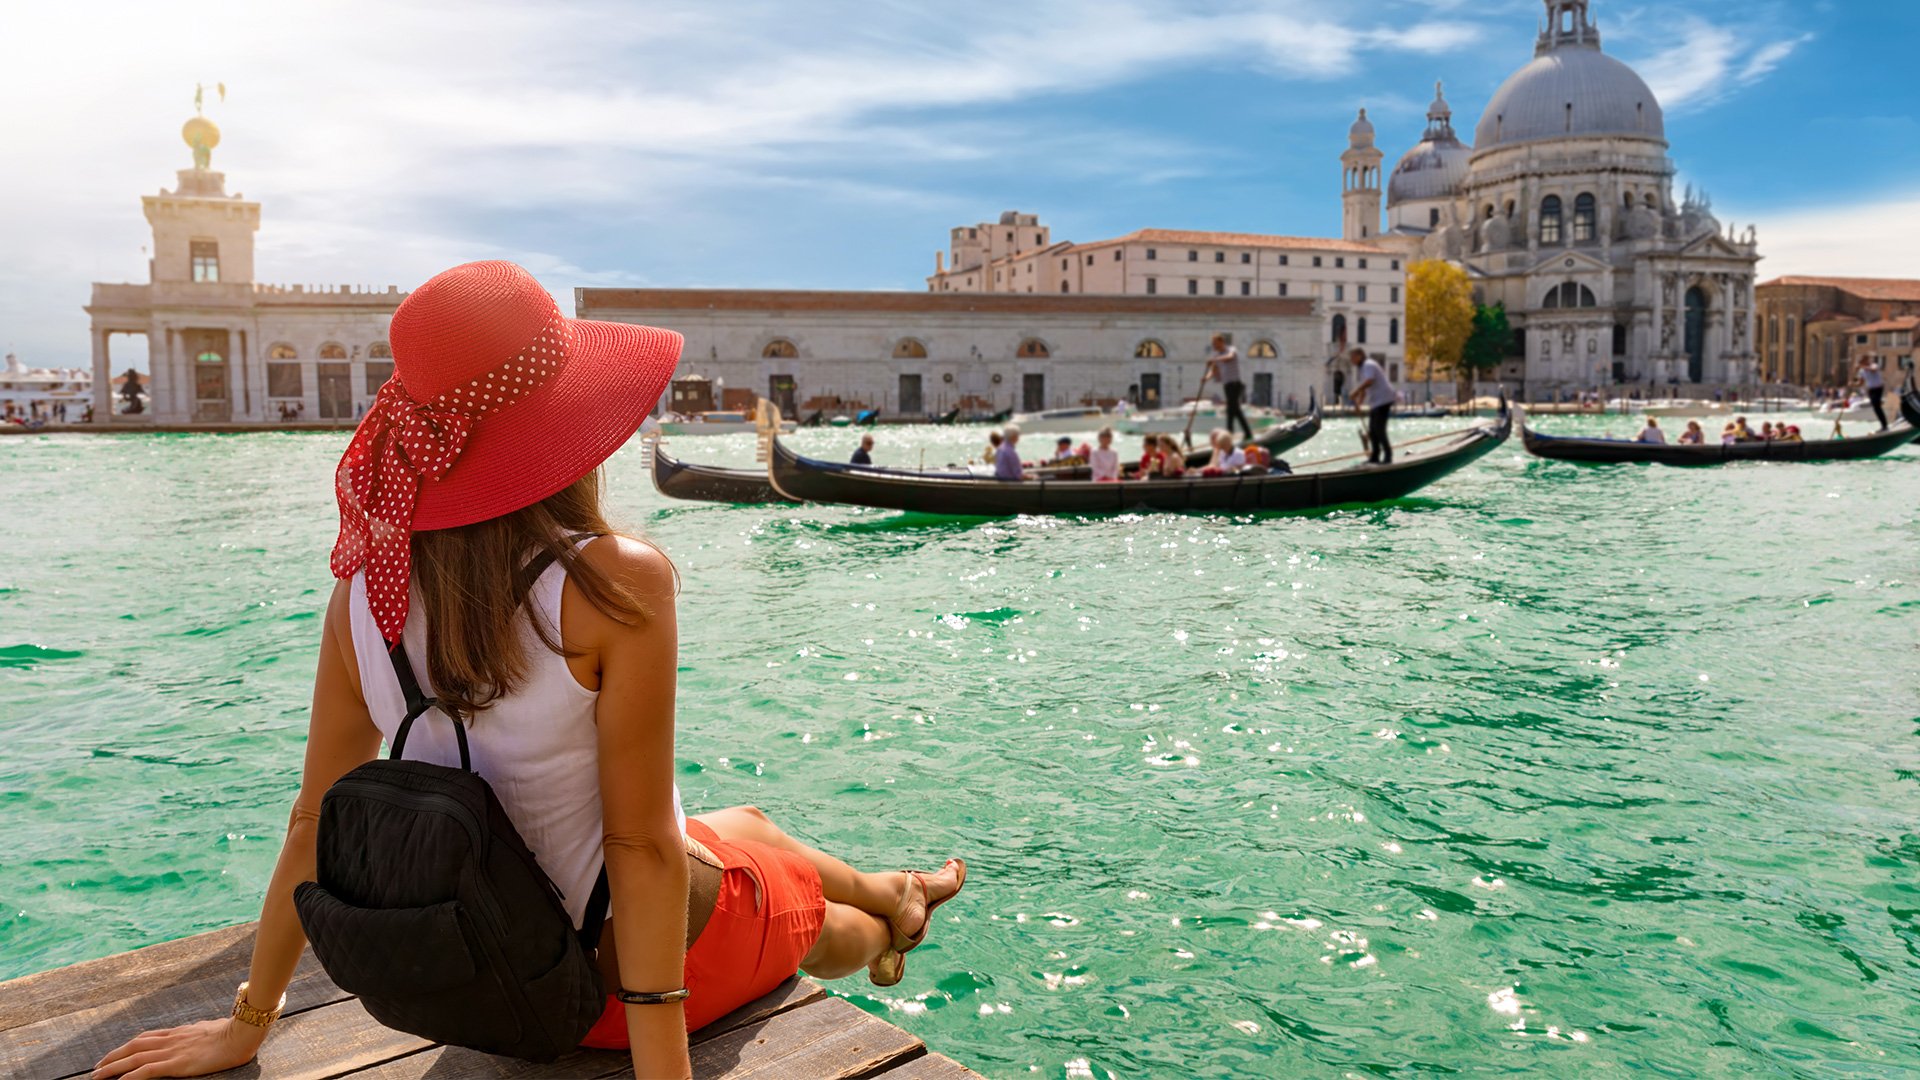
1487,347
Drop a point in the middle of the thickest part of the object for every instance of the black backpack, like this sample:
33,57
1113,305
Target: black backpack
431,909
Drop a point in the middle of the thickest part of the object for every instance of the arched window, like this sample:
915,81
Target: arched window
1550,210
1339,336
1511,207
1653,201
1489,214
1263,350
280,350
1626,201
1571,295
379,350
333,350
780,349
210,357
1393,331
909,349
1585,219
1150,350
1033,349
1360,330
1619,339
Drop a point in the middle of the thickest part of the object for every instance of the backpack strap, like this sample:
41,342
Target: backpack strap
417,704
595,918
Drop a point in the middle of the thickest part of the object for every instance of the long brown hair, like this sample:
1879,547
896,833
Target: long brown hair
473,584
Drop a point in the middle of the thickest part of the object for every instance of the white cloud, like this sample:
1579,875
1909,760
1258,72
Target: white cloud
1871,239
1710,62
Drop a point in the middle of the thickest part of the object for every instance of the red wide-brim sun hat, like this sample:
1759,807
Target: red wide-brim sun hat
460,327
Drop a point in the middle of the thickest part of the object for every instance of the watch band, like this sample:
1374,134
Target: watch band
248,1013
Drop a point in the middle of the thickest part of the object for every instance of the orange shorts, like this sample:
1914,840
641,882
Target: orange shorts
766,921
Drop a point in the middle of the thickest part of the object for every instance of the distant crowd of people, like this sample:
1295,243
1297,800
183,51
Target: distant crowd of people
1737,431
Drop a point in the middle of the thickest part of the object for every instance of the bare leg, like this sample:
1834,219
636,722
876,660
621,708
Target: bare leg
875,894
850,939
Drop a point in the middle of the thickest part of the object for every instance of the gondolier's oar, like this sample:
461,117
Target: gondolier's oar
1193,413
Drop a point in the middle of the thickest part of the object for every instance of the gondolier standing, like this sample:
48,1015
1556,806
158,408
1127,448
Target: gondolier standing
1225,364
1374,392
1876,385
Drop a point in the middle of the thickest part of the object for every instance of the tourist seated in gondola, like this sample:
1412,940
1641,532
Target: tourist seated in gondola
863,455
1694,435
1227,459
1064,453
1006,460
993,447
1788,433
1104,459
1169,462
1149,455
1768,434
1741,432
1652,433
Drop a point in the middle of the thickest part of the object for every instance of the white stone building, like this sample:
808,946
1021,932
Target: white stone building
913,353
222,347
1564,211
1357,284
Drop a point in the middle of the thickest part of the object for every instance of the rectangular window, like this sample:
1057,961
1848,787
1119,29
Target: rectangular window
1363,264
1283,260
1246,288
1395,293
1396,264
336,391
1283,288
1116,255
206,259
1033,392
283,380
1262,390
378,372
1246,258
1339,264
1193,256
1219,256
1153,286
1393,331
1090,259
1152,254
1360,292
1219,288
1339,293
1317,262
1193,287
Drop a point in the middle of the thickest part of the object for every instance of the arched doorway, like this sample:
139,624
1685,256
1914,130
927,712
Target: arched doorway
1696,334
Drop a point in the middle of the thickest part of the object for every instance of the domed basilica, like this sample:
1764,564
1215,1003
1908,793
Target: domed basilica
1563,209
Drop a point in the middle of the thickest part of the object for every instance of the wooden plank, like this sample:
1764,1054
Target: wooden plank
931,1067
32,998
827,1040
70,1044
458,1063
330,1041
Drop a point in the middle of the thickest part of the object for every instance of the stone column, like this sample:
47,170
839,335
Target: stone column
102,379
159,373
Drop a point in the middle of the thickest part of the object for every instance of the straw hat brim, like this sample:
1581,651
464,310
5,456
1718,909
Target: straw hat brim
542,444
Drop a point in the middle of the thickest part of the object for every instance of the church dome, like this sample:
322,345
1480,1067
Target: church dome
1437,165
1360,135
1571,90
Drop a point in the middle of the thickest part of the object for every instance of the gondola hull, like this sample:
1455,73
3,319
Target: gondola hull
1624,451
710,483
963,495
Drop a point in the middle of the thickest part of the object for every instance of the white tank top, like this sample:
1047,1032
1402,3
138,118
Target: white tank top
538,748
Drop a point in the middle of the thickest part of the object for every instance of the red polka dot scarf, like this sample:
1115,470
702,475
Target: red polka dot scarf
403,444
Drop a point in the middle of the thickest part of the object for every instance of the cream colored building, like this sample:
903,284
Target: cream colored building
914,353
1356,285
223,347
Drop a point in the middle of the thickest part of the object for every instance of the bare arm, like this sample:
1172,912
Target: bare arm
646,856
340,735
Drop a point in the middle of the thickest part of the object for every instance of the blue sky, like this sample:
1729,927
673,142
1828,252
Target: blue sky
832,144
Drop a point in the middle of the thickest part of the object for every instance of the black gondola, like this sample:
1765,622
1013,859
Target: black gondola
711,483
1626,451
947,418
1276,440
818,418
965,495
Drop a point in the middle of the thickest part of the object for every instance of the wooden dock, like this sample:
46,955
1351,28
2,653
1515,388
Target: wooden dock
57,1024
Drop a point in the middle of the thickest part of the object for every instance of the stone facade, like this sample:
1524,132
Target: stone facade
1809,327
912,353
223,348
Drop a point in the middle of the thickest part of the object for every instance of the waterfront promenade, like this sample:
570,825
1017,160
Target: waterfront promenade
56,1024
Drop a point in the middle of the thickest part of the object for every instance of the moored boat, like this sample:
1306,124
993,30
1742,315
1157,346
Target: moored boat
1626,451
711,423
1175,421
1062,421
965,495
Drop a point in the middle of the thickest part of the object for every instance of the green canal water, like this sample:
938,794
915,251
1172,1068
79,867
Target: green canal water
1552,767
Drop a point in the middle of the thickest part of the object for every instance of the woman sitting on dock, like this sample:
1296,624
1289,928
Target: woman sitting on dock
472,537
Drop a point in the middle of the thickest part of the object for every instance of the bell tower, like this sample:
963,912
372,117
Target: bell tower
1360,182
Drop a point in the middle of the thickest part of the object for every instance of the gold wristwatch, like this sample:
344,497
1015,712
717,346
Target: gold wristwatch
247,1013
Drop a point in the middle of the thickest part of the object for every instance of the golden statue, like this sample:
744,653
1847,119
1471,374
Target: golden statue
200,133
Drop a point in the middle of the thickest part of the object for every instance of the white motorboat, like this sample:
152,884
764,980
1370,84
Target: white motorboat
713,423
1174,421
1063,421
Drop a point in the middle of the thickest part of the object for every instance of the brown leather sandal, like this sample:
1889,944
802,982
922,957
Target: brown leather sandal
890,966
